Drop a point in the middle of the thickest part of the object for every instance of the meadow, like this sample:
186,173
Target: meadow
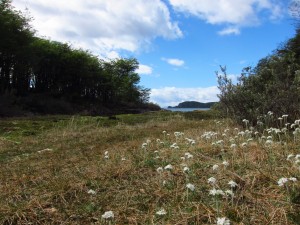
152,168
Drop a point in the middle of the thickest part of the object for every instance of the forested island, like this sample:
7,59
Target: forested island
193,104
41,76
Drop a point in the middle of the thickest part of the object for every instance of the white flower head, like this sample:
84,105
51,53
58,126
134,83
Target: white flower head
232,184
215,167
294,179
233,146
225,163
161,212
186,169
159,169
212,180
168,167
269,142
216,192
108,215
223,221
91,192
289,157
282,181
190,187
144,145
229,193
188,155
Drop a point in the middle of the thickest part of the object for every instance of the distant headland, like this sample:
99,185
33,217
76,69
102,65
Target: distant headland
193,104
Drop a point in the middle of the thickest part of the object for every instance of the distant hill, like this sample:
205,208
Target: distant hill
193,104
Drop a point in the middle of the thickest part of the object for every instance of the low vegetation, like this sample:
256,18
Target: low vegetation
153,168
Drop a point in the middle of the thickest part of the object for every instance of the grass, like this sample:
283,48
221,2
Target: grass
49,165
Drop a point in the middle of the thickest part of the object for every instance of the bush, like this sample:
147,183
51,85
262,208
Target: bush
273,85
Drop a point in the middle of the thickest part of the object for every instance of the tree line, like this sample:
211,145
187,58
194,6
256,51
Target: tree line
273,85
33,65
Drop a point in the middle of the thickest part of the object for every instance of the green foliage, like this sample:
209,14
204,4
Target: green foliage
273,85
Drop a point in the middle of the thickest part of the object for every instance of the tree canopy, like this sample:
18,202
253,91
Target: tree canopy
32,65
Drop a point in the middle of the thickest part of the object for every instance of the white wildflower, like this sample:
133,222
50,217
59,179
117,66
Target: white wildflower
232,184
92,192
161,212
186,169
244,144
108,215
225,163
289,157
294,179
215,167
216,192
229,193
233,146
159,169
223,221
212,180
144,145
282,181
269,142
188,155
190,187
169,167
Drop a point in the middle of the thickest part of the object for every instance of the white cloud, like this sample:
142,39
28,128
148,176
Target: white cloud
100,25
144,69
233,77
172,96
231,13
229,30
174,62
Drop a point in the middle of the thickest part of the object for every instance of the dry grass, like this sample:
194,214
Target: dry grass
47,178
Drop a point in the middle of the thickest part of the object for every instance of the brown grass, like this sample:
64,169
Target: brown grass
51,186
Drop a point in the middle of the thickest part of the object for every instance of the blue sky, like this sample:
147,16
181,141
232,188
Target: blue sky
179,43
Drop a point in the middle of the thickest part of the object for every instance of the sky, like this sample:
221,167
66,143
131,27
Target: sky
179,44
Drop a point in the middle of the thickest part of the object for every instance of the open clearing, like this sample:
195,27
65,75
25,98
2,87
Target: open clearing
154,168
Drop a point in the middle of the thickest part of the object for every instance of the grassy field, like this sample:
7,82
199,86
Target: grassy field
153,168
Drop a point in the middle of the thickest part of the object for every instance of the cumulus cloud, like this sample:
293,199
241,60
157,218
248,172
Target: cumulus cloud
102,26
171,96
174,62
144,69
231,13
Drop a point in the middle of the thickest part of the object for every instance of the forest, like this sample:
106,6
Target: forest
44,76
